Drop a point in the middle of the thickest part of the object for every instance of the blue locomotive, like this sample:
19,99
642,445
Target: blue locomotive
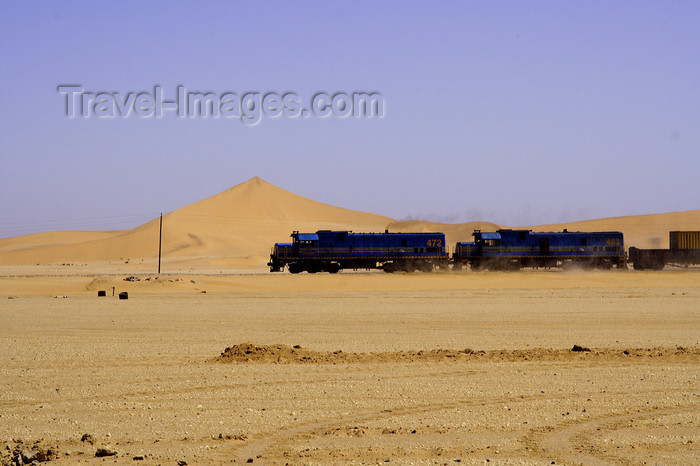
331,251
513,249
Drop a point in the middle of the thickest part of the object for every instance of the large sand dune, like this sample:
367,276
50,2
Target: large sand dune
236,228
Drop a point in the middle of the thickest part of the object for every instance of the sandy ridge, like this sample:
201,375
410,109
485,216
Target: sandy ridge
247,353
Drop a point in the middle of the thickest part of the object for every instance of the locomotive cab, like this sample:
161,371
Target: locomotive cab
305,243
486,242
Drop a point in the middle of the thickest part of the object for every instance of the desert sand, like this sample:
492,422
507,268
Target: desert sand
420,368
217,361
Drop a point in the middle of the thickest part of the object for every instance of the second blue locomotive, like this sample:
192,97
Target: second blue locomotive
514,249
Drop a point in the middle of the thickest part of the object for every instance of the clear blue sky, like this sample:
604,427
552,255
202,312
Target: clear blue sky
515,112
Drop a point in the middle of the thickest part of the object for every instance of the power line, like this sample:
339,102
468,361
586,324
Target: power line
129,221
117,222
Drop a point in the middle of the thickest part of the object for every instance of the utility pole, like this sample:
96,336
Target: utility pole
160,240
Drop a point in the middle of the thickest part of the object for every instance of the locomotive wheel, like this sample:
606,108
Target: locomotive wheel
296,268
389,267
333,267
426,267
314,267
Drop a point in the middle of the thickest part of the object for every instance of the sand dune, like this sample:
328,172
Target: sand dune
237,227
53,238
642,231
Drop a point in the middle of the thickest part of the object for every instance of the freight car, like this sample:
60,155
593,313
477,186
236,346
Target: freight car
684,251
331,251
513,249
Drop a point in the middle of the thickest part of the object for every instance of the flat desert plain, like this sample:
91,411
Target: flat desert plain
360,368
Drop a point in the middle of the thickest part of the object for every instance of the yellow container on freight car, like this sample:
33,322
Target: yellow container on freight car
684,239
